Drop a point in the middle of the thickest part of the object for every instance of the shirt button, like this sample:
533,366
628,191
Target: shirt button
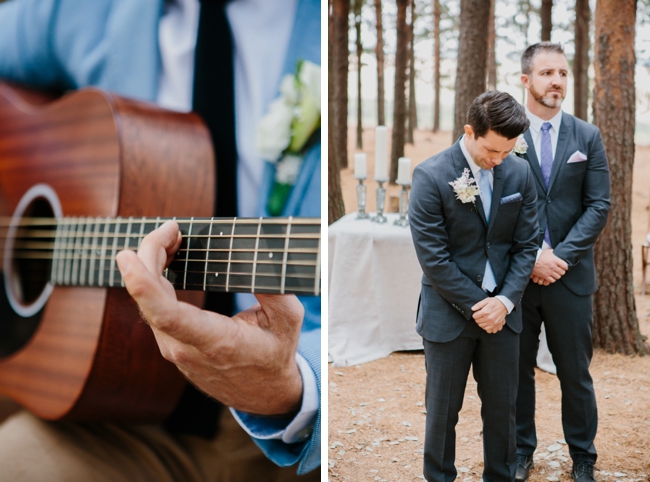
305,433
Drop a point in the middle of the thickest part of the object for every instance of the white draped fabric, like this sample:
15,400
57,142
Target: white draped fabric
374,285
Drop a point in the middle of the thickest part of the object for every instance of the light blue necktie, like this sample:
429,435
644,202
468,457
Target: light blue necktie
489,282
546,158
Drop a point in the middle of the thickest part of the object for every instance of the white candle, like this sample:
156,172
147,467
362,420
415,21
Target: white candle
404,170
360,165
381,148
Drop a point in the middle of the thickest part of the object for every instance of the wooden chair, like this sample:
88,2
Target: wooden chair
645,249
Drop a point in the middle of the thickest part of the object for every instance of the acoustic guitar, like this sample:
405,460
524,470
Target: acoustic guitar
81,178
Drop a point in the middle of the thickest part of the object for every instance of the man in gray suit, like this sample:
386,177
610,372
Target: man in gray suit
568,161
477,249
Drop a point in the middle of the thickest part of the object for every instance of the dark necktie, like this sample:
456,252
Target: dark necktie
546,156
214,101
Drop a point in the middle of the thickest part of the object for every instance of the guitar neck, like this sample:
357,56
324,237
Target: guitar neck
257,255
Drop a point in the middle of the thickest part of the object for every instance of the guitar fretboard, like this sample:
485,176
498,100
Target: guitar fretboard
261,255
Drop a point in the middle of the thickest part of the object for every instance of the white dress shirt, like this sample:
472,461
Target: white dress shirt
475,169
261,32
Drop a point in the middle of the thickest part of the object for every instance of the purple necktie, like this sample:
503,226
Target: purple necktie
546,155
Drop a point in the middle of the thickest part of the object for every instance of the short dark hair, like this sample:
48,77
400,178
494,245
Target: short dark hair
530,53
499,112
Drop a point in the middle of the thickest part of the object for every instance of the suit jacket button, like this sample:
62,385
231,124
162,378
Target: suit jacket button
548,200
479,278
541,231
488,245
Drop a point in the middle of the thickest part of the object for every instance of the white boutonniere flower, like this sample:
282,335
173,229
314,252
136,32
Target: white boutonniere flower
465,188
283,133
521,146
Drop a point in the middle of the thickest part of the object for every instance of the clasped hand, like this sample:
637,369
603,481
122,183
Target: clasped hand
247,362
548,268
490,314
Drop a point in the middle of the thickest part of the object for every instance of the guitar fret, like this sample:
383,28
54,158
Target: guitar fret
230,255
207,255
76,251
68,257
84,250
257,245
100,280
285,257
187,254
55,254
111,274
93,249
126,240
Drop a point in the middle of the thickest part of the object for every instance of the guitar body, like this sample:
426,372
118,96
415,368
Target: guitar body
86,354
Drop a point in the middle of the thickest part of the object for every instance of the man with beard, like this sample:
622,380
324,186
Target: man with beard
571,173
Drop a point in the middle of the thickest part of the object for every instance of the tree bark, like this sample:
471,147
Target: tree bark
340,13
399,110
546,16
412,109
581,60
472,55
357,25
491,57
436,65
379,53
616,327
335,207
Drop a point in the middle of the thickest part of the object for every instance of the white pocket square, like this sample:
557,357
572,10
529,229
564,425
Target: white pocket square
577,156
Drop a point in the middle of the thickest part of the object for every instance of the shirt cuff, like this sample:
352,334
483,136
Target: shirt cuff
297,430
506,302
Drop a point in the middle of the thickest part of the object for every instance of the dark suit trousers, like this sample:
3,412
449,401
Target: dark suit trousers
494,359
568,319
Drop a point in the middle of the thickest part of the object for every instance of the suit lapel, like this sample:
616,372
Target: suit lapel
460,164
560,150
531,157
497,189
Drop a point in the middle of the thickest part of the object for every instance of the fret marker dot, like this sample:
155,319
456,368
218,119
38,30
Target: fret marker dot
221,233
216,275
270,255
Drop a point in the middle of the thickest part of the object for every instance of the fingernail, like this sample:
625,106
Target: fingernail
123,264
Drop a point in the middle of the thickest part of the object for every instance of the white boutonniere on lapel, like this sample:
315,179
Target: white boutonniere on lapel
465,188
521,146
284,133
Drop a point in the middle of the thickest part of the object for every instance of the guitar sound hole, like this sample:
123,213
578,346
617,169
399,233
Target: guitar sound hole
24,286
32,263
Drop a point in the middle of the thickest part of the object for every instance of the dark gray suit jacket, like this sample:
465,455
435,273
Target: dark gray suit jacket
453,241
576,203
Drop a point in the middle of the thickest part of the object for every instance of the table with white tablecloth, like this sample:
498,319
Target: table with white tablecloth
374,285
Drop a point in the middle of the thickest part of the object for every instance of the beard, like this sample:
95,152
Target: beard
547,100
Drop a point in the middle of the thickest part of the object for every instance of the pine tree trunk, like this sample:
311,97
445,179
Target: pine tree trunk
379,53
616,327
546,16
581,60
525,28
436,65
412,112
357,19
340,13
399,110
491,57
335,208
472,55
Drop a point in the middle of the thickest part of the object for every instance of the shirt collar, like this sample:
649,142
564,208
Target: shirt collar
536,122
472,165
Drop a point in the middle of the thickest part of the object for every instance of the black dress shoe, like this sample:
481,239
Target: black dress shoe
524,465
583,472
